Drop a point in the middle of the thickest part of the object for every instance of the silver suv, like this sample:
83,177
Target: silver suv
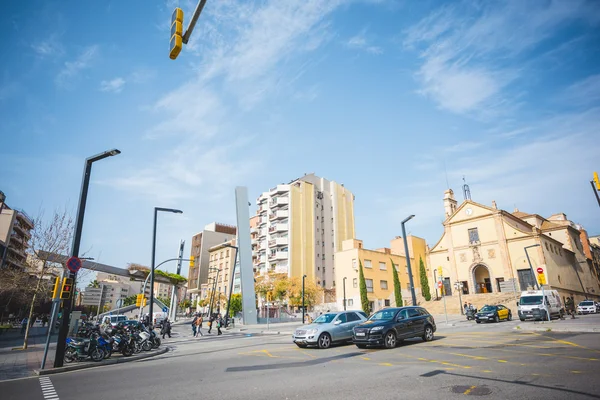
329,328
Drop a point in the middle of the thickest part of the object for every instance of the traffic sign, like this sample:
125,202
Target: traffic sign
540,270
74,264
165,309
440,284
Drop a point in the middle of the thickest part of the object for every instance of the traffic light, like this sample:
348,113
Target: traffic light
596,181
67,287
176,42
138,300
269,296
192,261
55,288
144,303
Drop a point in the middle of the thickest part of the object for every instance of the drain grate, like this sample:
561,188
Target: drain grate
471,390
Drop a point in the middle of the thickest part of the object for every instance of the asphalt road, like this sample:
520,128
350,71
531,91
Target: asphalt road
490,360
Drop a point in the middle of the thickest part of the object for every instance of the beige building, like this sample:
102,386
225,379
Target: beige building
220,268
212,235
300,227
484,249
15,232
377,269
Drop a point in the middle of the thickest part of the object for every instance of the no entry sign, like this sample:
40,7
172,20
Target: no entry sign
540,270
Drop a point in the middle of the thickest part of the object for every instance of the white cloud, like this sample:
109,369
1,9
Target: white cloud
72,69
359,42
113,86
585,91
50,47
473,51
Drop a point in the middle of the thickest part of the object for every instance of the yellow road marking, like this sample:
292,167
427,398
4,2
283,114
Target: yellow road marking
365,358
469,390
567,342
523,352
576,372
387,364
502,361
486,370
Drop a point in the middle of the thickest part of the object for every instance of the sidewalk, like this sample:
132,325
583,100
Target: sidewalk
582,323
21,363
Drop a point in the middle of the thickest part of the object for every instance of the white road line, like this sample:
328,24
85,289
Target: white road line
48,389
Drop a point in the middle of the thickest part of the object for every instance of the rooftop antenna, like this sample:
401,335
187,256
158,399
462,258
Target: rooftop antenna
466,190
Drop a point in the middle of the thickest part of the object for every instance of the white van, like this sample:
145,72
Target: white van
531,305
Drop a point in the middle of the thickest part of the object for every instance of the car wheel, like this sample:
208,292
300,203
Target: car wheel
509,316
522,319
361,346
302,346
390,340
428,334
496,318
324,340
478,321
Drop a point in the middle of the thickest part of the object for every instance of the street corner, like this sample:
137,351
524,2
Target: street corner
111,361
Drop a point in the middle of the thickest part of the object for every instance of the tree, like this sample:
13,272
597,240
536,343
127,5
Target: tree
364,300
236,304
397,287
129,300
424,281
94,284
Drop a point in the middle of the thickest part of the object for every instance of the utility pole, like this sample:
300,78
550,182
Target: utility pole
174,299
303,307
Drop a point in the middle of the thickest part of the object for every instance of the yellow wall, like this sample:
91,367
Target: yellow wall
344,218
302,219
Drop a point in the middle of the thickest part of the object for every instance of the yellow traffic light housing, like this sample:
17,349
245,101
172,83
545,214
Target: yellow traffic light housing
145,300
597,181
176,42
67,287
192,261
55,288
138,300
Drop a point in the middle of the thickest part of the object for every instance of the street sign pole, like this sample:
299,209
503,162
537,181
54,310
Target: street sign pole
441,286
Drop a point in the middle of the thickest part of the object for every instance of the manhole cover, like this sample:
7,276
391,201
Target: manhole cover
471,390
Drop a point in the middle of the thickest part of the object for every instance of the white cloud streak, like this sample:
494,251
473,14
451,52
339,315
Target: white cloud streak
360,42
71,70
113,86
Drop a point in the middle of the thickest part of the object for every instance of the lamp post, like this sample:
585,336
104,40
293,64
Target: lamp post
303,309
213,294
64,328
410,275
231,284
156,210
5,246
344,286
148,277
531,266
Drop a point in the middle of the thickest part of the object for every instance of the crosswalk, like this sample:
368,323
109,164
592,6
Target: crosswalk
48,389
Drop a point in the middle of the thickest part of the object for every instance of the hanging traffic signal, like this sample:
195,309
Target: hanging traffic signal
55,288
138,300
596,181
192,261
67,287
176,42
145,300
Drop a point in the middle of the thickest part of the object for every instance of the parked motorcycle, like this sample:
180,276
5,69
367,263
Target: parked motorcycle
471,313
82,348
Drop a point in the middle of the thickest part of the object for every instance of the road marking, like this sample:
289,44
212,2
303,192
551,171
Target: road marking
469,390
387,364
502,361
576,372
567,342
48,389
365,358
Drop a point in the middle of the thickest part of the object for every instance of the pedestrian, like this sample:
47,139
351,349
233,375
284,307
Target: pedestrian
44,320
194,324
219,322
23,325
466,307
210,324
199,326
166,328
570,306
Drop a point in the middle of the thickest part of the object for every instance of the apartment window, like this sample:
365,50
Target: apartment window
408,286
369,283
333,283
318,268
383,285
323,283
473,235
386,302
354,264
368,264
350,302
546,246
317,217
382,266
355,282
406,269
227,255
317,229
318,242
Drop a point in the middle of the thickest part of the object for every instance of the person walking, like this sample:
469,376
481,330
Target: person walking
466,307
570,306
194,324
219,322
166,328
210,324
199,326
44,320
23,325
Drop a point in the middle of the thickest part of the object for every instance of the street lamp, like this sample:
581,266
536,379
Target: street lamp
303,309
410,275
5,246
64,328
156,210
531,266
344,286
212,297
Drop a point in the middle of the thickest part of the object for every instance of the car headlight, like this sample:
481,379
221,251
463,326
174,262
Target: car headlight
377,328
490,315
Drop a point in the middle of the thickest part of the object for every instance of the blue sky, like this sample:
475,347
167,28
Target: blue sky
383,96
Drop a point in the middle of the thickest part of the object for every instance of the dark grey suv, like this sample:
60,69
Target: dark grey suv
391,326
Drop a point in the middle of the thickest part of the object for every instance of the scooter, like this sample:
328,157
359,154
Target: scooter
471,313
80,349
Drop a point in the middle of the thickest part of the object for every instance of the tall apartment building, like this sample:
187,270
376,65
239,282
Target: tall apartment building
212,235
301,225
15,232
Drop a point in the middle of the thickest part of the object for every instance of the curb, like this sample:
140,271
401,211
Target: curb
558,329
111,361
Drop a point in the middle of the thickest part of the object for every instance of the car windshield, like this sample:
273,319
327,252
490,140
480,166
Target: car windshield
586,303
383,315
531,300
488,309
324,319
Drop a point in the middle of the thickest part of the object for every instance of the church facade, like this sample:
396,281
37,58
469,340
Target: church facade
488,250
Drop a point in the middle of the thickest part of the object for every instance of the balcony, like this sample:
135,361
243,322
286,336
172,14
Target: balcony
278,255
262,221
262,233
279,189
280,241
279,214
254,230
279,201
278,228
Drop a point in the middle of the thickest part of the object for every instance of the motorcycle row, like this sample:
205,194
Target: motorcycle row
91,342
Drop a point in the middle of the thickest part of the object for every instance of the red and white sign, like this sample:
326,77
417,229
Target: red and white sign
540,270
440,284
74,264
